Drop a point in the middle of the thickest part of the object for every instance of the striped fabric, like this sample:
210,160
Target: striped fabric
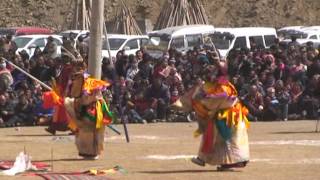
71,177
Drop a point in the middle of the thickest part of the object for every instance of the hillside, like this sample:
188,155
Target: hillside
57,14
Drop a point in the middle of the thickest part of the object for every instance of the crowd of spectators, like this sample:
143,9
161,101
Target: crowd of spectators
279,83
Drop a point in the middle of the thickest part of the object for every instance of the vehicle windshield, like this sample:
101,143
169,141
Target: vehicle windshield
22,41
287,34
158,42
221,41
115,43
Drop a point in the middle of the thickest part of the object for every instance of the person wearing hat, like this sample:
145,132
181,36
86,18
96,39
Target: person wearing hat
85,108
222,121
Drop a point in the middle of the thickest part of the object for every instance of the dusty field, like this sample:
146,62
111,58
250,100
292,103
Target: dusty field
279,150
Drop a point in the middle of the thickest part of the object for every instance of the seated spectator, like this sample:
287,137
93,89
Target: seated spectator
6,110
310,101
142,107
296,89
37,53
131,110
254,102
283,96
271,110
51,48
133,70
314,68
108,71
6,79
158,96
145,67
119,89
23,113
82,47
39,68
139,55
121,65
174,82
162,69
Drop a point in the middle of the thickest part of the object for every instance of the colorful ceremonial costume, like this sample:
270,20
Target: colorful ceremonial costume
222,123
88,113
60,117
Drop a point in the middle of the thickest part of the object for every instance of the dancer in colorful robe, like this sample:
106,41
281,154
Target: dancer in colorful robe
88,112
222,122
70,61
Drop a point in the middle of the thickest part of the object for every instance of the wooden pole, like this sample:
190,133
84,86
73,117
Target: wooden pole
83,14
107,40
51,159
96,31
29,75
76,19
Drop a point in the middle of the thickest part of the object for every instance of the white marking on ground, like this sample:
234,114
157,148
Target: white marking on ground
288,142
264,160
297,161
170,157
137,137
261,160
286,161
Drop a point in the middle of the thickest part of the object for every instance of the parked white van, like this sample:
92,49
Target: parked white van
129,43
305,35
75,34
226,39
284,32
183,38
30,42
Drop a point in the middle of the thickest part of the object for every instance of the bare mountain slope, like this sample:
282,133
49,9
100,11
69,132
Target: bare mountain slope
57,14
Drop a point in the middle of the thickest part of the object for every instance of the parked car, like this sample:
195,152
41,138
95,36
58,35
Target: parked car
182,38
75,34
19,31
305,35
130,43
30,42
285,32
226,39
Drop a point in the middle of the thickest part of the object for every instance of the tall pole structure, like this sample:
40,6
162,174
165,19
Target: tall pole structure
107,41
96,32
76,16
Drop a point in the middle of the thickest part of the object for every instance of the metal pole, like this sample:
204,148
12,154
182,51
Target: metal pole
96,31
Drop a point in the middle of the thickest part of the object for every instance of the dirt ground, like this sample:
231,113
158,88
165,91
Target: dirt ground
279,151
